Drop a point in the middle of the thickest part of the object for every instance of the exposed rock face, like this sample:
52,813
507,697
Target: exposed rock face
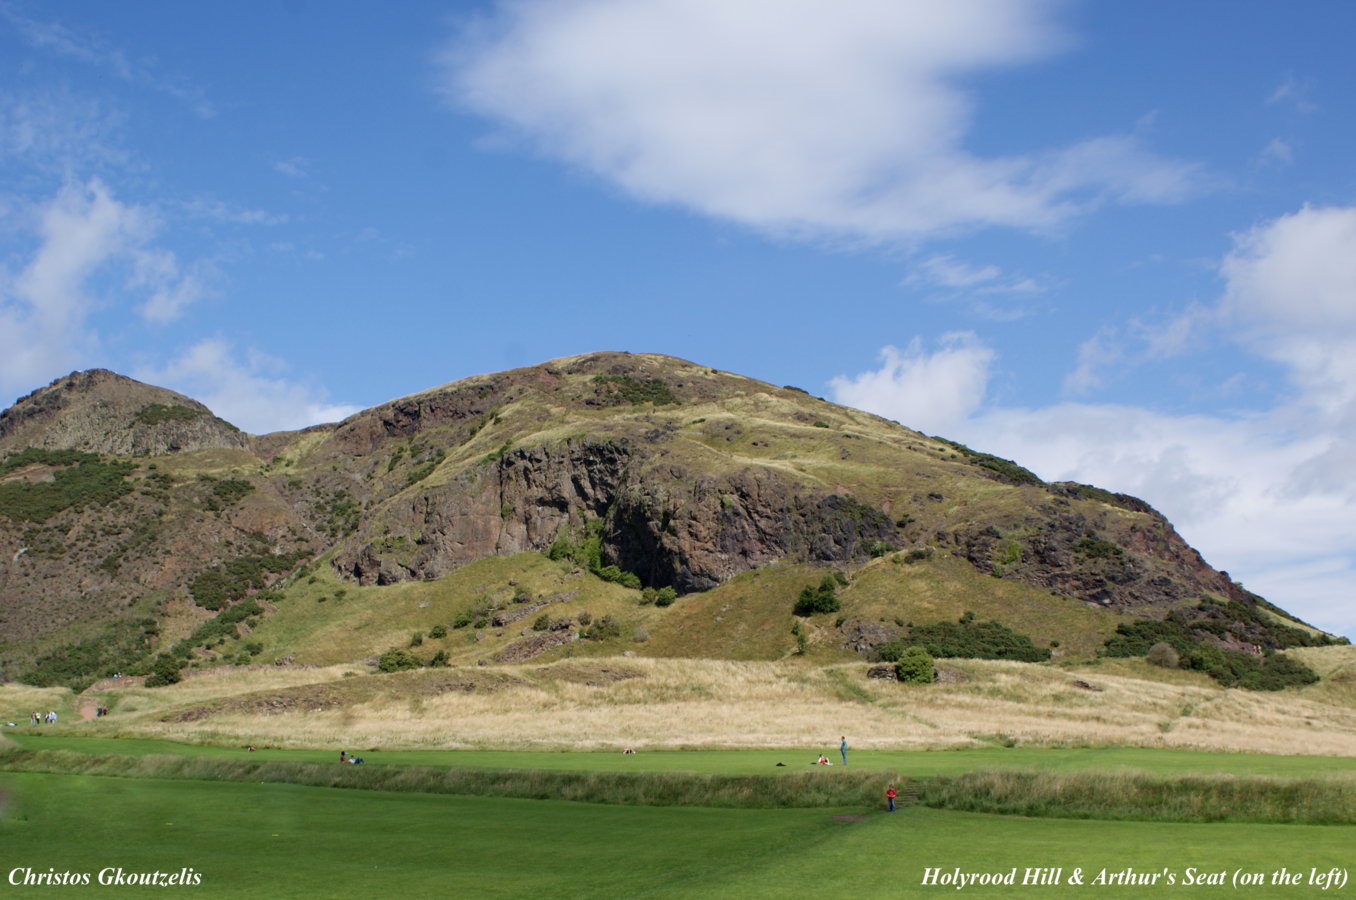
99,411
1146,563
661,522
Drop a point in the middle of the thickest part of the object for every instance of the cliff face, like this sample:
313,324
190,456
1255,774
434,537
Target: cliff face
667,524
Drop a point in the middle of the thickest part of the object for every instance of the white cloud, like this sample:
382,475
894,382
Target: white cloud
44,308
247,390
799,117
172,290
929,392
1269,497
82,233
1292,297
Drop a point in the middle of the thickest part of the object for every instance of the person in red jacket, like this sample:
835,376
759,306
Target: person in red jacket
890,795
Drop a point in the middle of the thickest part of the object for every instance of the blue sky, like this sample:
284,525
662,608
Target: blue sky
1113,241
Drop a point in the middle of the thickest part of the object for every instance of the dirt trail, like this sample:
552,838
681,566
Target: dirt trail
89,708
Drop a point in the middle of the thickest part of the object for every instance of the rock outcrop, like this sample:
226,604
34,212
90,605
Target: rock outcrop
99,411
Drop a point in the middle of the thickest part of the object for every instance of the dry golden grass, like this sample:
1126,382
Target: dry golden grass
18,701
669,703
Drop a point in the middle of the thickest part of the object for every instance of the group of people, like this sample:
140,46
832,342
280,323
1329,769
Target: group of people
349,760
100,712
47,718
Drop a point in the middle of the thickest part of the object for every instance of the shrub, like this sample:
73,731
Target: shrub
812,601
439,660
1163,655
227,492
973,640
541,623
463,619
1095,548
155,413
585,617
665,596
85,480
165,670
221,585
627,389
438,631
417,639
396,660
1005,468
601,630
915,666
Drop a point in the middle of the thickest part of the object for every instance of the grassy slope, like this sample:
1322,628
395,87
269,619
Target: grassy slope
657,704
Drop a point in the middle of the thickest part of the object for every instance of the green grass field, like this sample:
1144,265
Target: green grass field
280,841
746,762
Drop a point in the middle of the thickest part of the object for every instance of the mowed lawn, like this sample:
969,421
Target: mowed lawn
279,841
749,762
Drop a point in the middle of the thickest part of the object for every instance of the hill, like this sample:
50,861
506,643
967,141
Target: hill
557,509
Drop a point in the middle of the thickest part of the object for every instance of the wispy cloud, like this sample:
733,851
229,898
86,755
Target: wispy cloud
54,131
295,167
808,118
92,50
1293,92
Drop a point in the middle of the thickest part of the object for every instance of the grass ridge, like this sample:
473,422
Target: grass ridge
1139,795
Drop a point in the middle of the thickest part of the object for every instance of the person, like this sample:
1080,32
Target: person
822,761
343,756
890,795
842,748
